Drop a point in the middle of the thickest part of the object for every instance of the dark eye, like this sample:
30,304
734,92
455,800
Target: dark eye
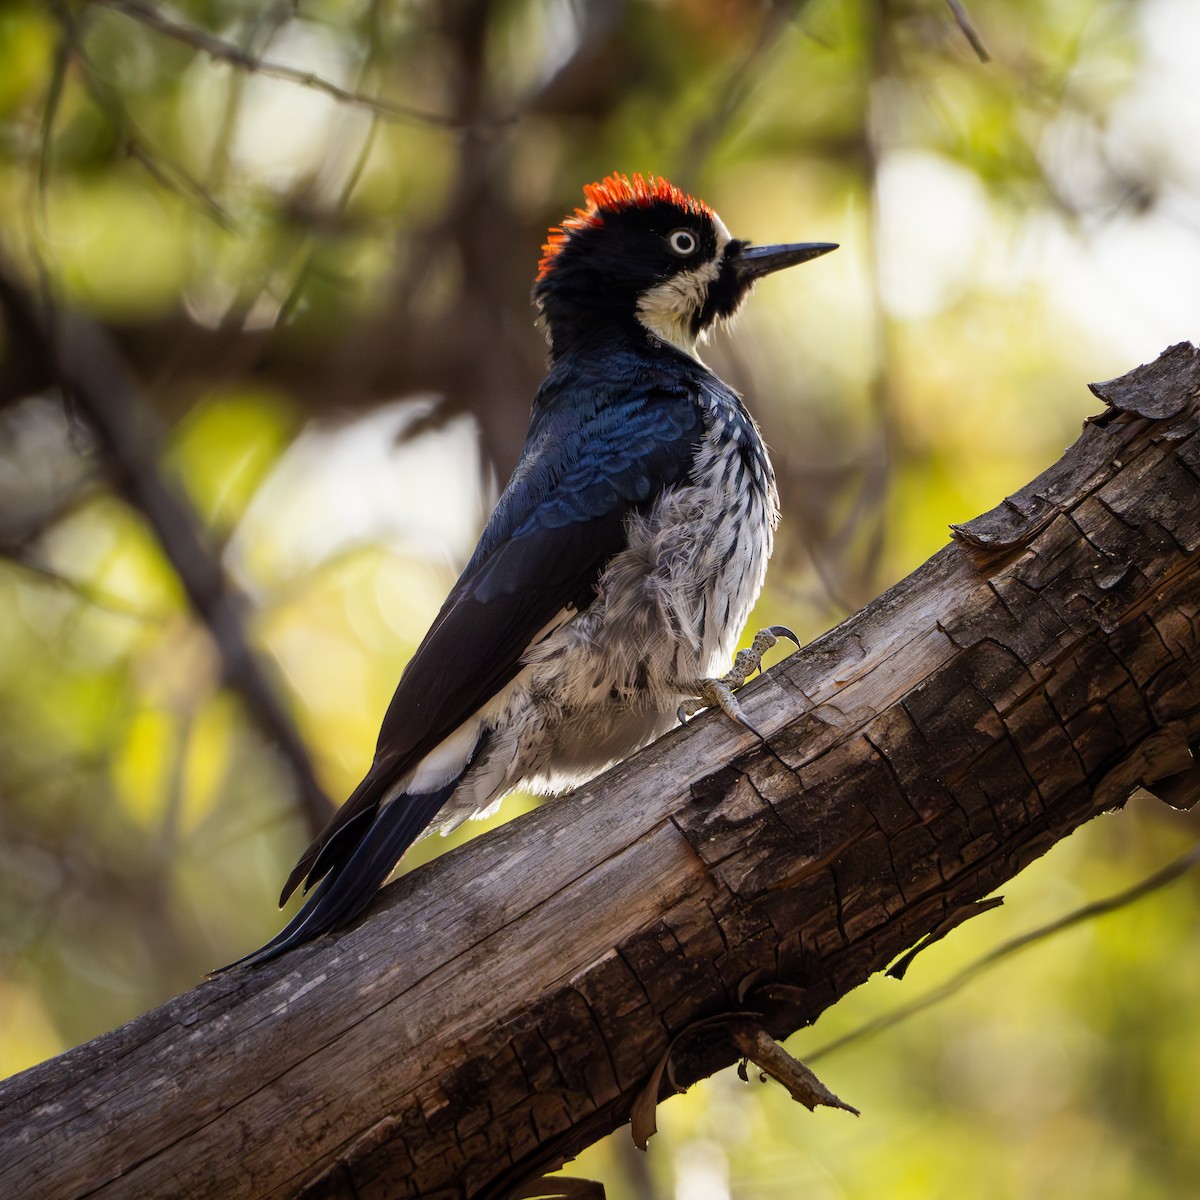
682,242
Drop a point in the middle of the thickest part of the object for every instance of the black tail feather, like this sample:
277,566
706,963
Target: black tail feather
347,889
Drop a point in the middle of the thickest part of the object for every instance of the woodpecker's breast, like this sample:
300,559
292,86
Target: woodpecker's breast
668,612
671,605
726,523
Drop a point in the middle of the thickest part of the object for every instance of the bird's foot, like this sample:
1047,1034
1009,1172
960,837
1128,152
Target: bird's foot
718,693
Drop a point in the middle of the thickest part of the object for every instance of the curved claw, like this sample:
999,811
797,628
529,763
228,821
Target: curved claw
782,631
718,693
741,718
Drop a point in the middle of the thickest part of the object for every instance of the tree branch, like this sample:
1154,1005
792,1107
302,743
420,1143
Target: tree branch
506,1005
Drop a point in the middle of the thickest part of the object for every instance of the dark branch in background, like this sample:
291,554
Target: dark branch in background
96,382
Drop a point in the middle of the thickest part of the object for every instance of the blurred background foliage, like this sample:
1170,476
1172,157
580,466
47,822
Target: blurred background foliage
305,232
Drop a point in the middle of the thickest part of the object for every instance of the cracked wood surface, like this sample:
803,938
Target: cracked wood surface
500,1008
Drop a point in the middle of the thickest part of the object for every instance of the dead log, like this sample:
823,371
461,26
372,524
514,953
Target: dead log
504,1007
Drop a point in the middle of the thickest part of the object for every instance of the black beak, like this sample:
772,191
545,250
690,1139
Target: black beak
756,261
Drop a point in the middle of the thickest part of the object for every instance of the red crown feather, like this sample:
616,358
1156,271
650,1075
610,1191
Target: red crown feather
614,194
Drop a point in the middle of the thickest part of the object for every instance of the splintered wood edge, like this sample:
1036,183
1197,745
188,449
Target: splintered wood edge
1157,392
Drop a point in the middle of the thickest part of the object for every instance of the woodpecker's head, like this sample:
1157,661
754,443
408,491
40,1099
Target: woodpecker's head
645,256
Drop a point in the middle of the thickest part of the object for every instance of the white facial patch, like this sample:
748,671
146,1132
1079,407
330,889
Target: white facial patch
668,310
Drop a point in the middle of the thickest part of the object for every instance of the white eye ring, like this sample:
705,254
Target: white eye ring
682,242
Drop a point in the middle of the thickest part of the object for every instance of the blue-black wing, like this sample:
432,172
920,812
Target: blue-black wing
593,457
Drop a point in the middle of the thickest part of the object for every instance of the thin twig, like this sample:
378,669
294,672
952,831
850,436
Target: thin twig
964,23
54,93
171,176
96,597
259,33
167,174
40,219
220,50
870,510
300,282
1098,908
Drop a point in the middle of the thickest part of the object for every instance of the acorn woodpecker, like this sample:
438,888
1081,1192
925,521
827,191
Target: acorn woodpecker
613,580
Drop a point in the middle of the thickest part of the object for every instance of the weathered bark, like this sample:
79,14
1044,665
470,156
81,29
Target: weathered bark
502,1007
